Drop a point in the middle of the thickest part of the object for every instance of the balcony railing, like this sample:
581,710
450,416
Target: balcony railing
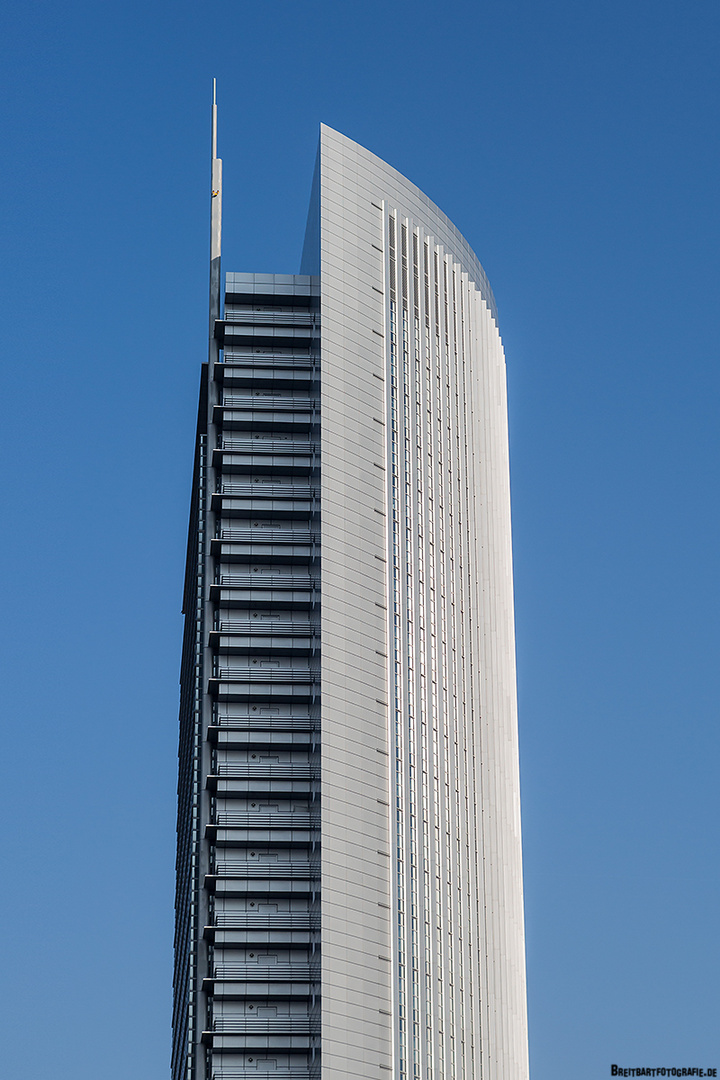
270,771
302,1072
266,674
263,1025
267,972
271,920
267,488
266,821
265,723
263,870
270,318
264,580
268,446
242,354
268,536
265,402
266,628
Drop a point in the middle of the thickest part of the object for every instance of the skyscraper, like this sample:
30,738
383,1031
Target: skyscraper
349,885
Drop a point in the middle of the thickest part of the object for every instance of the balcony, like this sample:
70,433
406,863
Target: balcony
240,357
259,445
269,770
292,721
266,627
283,646
266,1024
238,991
303,1072
262,739
282,363
237,461
269,317
267,579
251,972
227,726
268,376
285,669
259,598
253,820
259,535
260,937
274,837
263,888
259,506
253,868
273,920
261,416
262,784
268,489
263,554
264,689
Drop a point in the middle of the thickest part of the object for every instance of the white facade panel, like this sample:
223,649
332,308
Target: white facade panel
422,926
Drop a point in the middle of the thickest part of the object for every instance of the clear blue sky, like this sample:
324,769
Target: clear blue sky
576,147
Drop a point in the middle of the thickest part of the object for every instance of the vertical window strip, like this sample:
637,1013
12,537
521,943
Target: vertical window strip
455,524
469,300
470,800
438,919
443,465
409,624
416,277
426,764
444,892
392,251
460,609
426,283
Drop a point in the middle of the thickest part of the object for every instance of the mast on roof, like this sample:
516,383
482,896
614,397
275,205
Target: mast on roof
215,230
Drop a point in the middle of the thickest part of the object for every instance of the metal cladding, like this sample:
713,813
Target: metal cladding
349,898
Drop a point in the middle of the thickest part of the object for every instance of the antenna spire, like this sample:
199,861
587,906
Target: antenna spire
215,230
214,119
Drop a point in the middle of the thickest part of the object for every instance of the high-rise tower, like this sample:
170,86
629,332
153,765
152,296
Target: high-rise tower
349,895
